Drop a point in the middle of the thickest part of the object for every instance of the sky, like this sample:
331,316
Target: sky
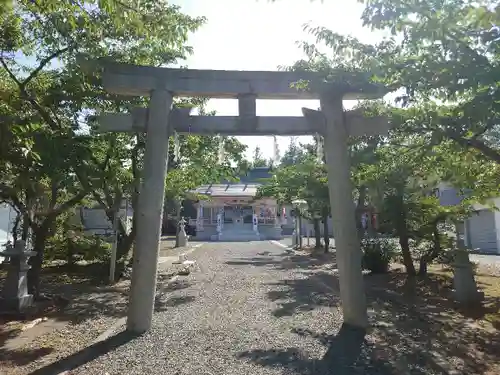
262,35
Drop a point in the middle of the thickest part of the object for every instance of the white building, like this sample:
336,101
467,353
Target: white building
482,229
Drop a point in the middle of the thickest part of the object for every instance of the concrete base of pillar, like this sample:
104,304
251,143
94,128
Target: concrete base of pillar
18,304
183,239
465,287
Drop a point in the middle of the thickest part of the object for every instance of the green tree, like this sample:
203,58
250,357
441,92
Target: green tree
306,180
293,154
46,99
447,60
394,181
258,159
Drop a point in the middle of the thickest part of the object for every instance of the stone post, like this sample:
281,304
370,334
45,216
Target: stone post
277,221
219,223
15,295
223,216
200,217
294,233
284,220
342,208
183,240
255,221
300,234
150,212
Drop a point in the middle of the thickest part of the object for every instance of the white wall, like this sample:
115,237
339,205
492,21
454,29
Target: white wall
306,224
7,217
96,221
496,203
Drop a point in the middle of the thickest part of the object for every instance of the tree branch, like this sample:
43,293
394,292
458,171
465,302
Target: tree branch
24,94
68,204
476,144
43,64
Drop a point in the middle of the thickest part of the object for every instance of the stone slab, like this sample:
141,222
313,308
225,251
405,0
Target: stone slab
30,334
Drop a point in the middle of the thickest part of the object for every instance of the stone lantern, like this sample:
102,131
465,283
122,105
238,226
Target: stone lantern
15,293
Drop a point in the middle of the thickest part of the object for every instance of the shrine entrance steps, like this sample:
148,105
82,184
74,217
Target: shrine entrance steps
237,232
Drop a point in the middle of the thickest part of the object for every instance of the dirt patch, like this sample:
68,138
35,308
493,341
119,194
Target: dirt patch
417,328
80,308
77,309
417,323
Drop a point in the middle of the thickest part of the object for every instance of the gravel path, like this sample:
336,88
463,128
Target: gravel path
224,317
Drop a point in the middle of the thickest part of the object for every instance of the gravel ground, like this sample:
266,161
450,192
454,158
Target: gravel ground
91,311
489,264
224,318
256,308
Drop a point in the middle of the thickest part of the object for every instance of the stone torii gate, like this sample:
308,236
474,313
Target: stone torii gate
160,120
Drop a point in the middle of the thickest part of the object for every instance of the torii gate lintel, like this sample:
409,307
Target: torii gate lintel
182,122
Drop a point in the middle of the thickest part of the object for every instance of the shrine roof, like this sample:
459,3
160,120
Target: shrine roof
247,185
228,190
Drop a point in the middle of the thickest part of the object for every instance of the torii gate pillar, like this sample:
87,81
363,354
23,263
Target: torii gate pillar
151,197
340,188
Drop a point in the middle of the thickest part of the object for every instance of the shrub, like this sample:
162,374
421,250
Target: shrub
377,254
93,248
81,246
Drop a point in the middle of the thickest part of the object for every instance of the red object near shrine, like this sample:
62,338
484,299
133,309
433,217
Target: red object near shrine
374,220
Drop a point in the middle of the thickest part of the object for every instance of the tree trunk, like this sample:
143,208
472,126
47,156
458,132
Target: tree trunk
317,233
25,234
404,241
433,253
40,234
326,235
422,267
70,252
15,228
399,222
125,240
125,243
125,249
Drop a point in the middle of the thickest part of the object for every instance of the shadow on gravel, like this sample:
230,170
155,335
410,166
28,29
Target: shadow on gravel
347,353
163,305
417,329
288,260
255,261
21,357
173,286
298,295
163,301
86,355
